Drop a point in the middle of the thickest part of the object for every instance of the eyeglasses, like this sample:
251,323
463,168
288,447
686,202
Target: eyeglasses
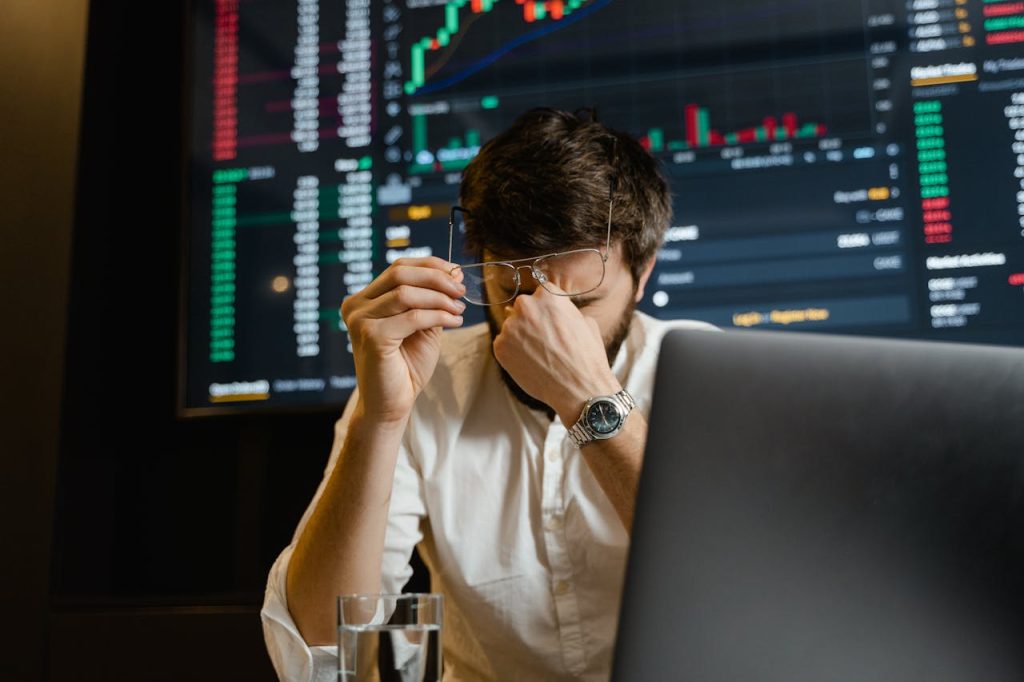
574,273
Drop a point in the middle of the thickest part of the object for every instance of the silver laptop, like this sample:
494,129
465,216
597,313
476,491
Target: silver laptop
833,509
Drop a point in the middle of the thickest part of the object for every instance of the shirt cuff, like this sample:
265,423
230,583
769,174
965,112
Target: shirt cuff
293,659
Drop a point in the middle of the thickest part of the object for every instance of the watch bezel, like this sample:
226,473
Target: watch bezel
593,403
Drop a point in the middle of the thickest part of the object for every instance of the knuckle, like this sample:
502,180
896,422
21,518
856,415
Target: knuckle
367,332
526,307
437,278
399,271
356,332
354,317
403,294
348,304
349,314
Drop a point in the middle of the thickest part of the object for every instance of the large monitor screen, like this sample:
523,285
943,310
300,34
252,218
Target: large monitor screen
850,166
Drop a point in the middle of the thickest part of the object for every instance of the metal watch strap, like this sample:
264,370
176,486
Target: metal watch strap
581,433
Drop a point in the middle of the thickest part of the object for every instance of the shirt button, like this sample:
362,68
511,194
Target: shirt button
554,456
553,523
562,587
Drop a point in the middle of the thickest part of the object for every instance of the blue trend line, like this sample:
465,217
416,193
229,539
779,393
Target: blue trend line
487,60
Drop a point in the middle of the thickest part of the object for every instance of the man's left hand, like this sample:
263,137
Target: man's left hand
554,352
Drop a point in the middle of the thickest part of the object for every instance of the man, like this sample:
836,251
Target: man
509,453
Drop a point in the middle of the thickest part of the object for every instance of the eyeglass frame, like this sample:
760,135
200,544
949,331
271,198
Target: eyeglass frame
537,274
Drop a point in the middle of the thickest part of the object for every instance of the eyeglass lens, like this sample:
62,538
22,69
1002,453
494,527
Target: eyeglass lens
572,273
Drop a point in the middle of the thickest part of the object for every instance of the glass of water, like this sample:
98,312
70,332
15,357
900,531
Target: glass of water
390,637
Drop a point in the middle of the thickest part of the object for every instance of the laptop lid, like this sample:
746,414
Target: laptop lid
828,508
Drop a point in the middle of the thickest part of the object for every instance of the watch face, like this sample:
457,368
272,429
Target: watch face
604,417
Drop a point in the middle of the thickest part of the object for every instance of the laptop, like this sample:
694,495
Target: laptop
821,508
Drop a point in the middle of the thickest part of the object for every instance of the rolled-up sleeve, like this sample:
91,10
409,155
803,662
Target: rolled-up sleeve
293,659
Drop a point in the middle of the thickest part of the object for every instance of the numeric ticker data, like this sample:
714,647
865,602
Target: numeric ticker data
836,166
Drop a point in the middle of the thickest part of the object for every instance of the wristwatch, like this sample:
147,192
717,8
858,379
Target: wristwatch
602,417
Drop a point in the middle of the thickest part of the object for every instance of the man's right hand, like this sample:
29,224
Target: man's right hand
395,327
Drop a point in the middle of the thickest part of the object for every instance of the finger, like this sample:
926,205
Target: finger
429,277
430,272
406,297
519,303
425,262
551,288
404,325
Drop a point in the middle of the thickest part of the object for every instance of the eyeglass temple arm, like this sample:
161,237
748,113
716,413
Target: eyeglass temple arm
612,182
608,236
451,227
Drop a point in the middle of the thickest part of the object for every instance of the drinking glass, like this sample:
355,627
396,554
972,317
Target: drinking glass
390,637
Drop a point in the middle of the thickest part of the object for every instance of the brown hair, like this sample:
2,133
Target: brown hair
542,186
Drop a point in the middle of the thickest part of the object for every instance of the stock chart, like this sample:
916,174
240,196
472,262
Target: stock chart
849,166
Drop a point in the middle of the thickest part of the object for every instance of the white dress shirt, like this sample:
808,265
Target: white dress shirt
514,527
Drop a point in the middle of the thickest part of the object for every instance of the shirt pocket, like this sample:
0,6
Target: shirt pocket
513,625
487,536
488,564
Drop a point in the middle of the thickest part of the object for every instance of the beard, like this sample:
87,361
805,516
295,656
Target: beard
611,348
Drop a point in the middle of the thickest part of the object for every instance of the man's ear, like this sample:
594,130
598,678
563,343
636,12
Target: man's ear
645,275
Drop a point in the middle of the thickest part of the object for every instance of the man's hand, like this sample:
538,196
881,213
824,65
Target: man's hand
555,353
395,326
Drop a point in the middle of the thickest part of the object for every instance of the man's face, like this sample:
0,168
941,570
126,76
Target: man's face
611,305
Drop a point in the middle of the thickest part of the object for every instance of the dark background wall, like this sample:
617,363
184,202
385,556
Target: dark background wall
165,529
140,542
41,50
